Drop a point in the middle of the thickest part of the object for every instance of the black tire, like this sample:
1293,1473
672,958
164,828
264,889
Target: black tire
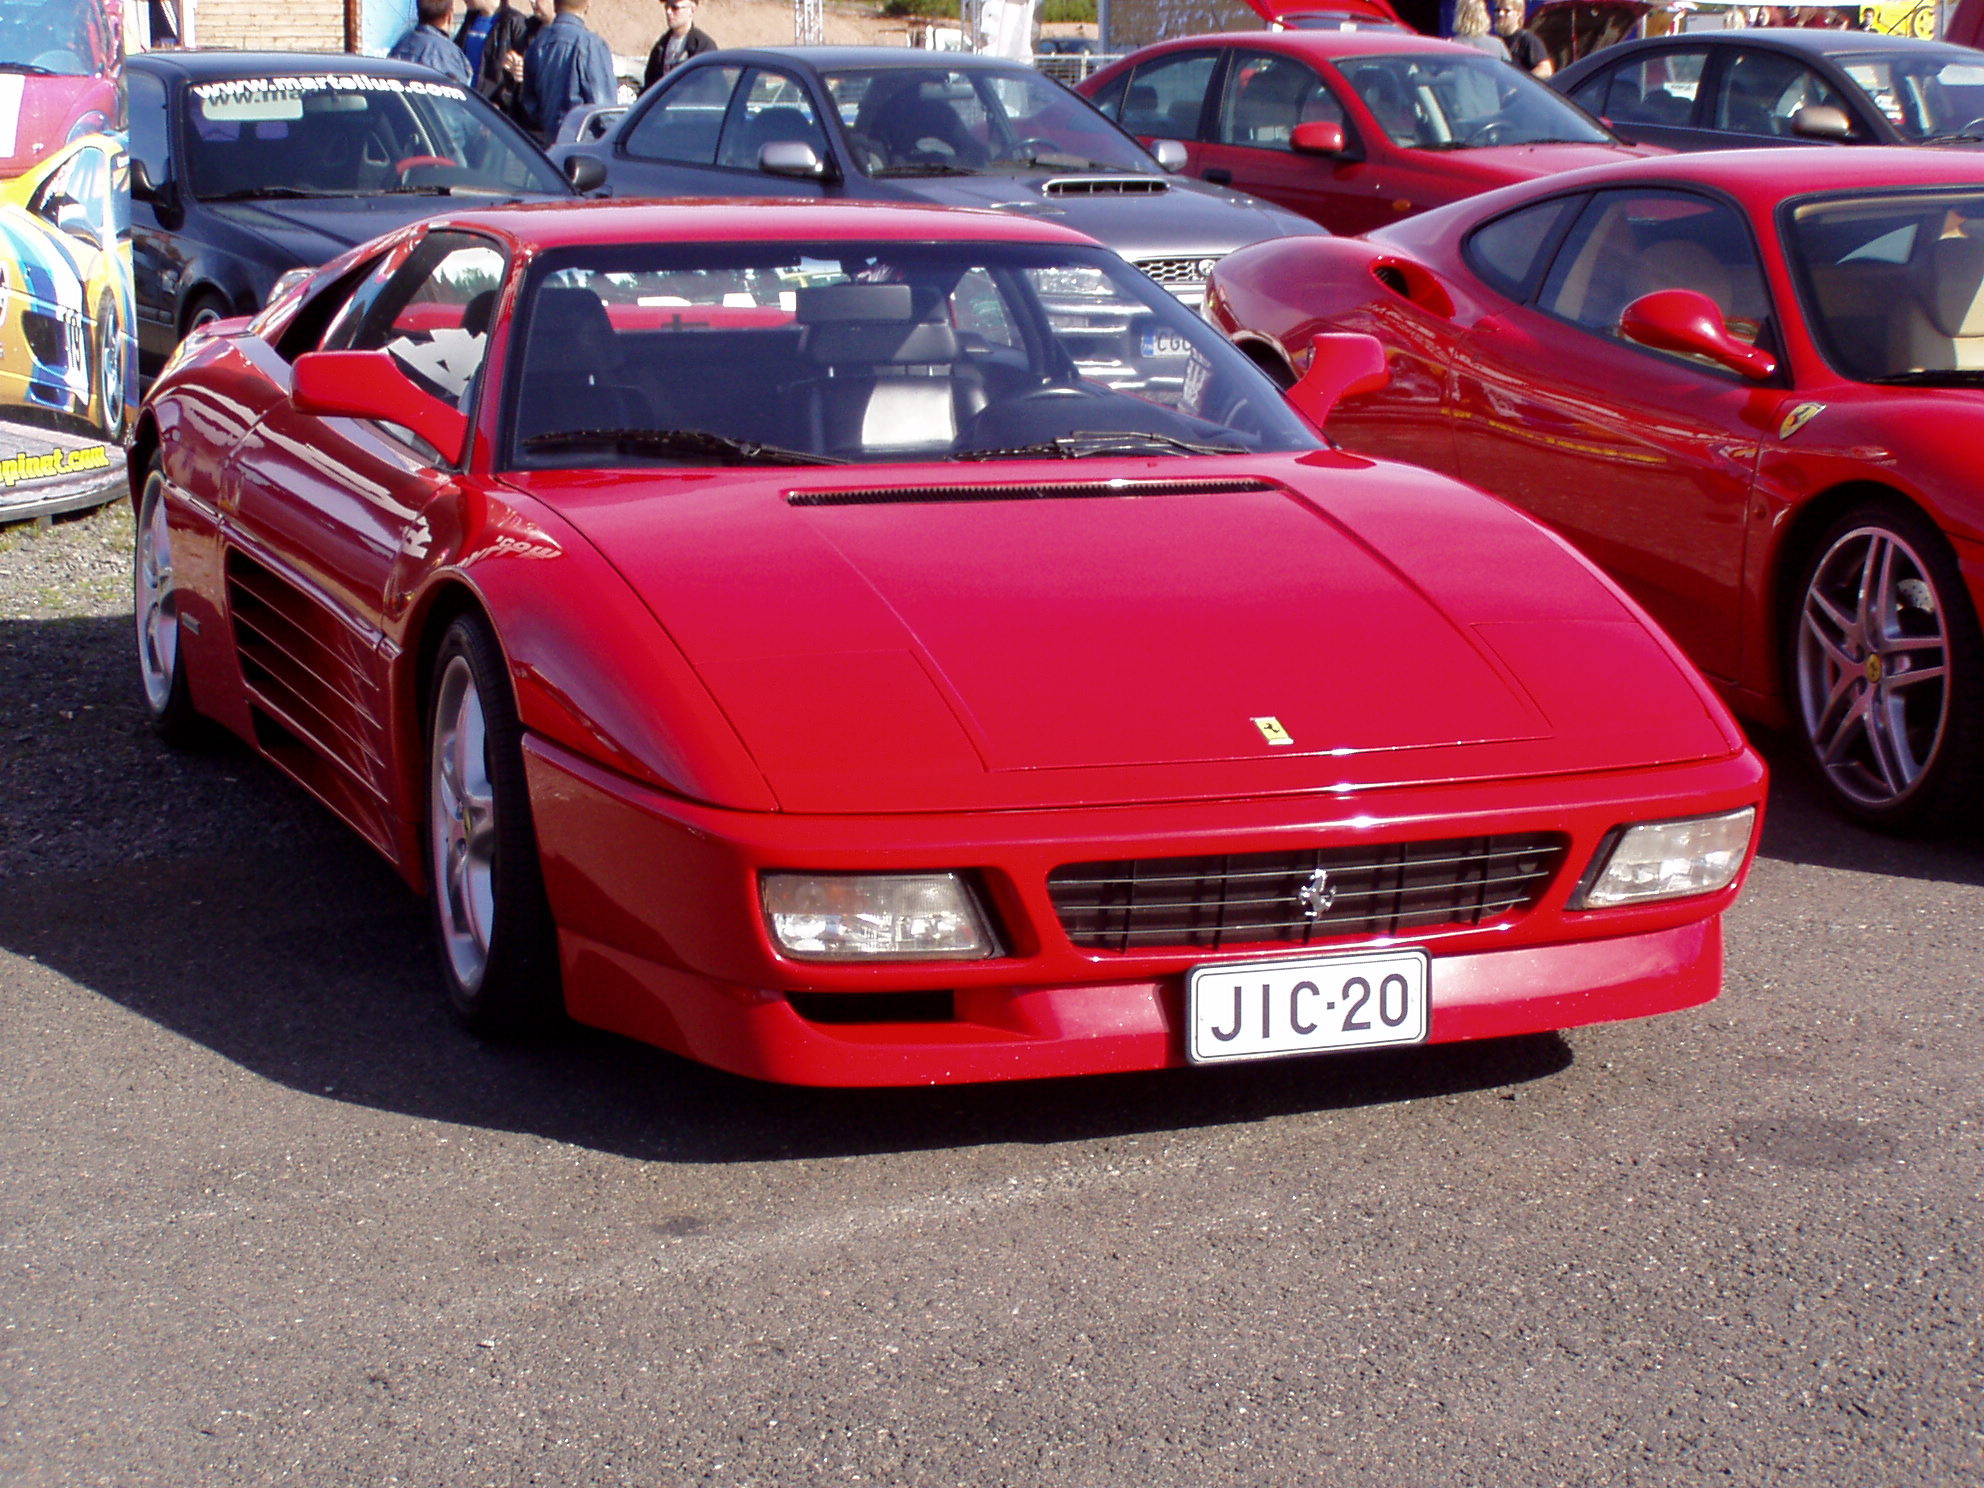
492,922
205,307
111,408
1884,671
161,662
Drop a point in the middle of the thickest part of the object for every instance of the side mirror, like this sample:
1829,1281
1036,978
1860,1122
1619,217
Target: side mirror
1169,153
1821,121
1684,321
1341,365
370,385
585,172
1318,137
792,158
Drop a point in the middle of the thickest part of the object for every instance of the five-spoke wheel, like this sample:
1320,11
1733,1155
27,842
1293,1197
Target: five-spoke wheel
156,602
1884,662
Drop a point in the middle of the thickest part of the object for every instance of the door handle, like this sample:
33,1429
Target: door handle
1219,176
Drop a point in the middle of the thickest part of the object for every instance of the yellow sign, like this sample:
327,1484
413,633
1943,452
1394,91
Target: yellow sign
1901,18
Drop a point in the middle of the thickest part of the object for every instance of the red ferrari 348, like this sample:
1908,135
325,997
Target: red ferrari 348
1746,383
868,645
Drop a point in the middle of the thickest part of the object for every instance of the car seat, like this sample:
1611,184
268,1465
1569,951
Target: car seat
884,381
574,373
1940,327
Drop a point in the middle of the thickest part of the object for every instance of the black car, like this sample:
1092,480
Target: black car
245,165
1718,90
905,125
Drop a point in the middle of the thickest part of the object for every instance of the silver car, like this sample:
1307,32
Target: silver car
896,124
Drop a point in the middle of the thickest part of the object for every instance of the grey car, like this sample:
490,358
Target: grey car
894,124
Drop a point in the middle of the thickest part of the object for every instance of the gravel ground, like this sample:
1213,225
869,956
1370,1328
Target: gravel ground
81,772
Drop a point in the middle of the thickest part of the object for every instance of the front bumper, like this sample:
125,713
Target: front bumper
662,939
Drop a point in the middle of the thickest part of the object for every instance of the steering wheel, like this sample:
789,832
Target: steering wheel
1032,147
413,162
1494,132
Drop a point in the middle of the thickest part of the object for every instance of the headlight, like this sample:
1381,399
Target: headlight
874,916
1667,860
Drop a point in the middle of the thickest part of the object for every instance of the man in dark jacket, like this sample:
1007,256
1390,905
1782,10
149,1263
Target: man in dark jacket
429,45
499,61
566,67
681,41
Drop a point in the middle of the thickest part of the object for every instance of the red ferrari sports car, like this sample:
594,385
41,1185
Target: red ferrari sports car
873,645
1740,382
1353,129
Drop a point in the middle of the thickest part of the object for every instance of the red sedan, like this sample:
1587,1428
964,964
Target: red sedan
1743,383
857,645
1354,129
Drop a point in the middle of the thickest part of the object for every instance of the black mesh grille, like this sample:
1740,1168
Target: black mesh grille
1278,898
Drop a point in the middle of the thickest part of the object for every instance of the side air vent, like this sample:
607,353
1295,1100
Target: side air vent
1050,491
1105,186
1413,282
1390,276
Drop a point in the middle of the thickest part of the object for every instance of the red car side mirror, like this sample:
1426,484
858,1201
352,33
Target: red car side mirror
1684,321
1318,137
1340,366
370,385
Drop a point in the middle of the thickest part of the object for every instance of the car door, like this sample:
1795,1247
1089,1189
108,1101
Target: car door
669,147
321,514
1755,96
1249,144
158,258
1650,98
1644,459
1165,98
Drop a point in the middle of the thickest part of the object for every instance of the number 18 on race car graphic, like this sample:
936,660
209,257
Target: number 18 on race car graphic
1304,1005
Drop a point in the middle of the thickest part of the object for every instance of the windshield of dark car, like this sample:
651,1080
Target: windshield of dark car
353,135
1930,94
906,121
774,353
65,37
1455,101
1893,282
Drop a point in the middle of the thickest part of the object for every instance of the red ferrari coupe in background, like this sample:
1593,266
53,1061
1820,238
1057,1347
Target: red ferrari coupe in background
1748,384
1353,129
870,645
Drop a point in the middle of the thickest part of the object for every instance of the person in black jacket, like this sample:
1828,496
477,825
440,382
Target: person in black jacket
499,65
681,41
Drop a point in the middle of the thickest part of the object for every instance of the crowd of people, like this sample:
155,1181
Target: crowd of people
539,60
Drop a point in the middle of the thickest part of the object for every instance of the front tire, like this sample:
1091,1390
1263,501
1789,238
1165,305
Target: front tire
155,599
492,922
1886,664
110,355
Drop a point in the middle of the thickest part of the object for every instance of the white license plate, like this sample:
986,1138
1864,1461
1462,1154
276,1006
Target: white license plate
1301,1005
1164,344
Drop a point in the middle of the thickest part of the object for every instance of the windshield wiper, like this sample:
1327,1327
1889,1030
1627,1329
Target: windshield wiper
888,171
1944,377
272,193
1953,139
28,67
1084,443
679,442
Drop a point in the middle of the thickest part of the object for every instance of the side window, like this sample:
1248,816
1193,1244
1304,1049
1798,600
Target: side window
1266,96
684,122
431,314
1626,244
1660,89
305,330
772,106
1508,253
1760,93
147,111
1166,97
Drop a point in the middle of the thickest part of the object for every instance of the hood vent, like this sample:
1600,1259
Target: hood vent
1049,491
1105,186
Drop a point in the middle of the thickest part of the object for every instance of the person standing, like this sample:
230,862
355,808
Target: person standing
567,67
497,58
1471,29
1526,48
428,43
681,41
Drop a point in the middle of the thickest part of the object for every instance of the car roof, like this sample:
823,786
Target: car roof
843,58
1322,45
1816,41
219,64
566,224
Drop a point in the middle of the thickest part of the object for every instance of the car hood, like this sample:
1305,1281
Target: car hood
36,114
1068,641
1136,214
315,231
1505,165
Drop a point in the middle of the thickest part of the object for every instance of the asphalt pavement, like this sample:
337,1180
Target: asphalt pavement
266,1216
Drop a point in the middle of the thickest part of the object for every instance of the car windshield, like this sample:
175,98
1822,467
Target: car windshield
770,353
1460,102
1934,93
1893,283
911,121
69,38
348,134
